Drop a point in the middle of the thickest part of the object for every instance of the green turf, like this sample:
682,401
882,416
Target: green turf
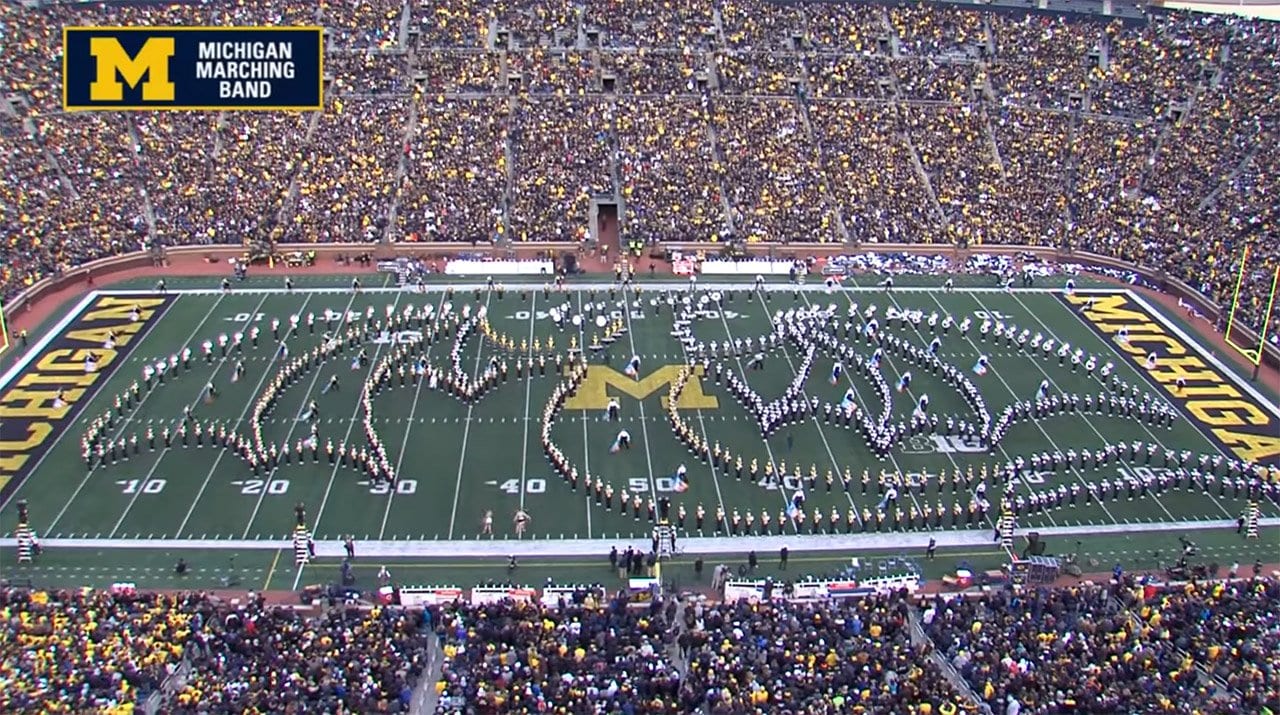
456,462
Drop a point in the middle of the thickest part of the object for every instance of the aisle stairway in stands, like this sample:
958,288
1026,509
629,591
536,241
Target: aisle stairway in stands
402,170
148,210
673,649
920,638
425,699
833,207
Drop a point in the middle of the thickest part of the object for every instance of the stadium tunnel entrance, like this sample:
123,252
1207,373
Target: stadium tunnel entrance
605,226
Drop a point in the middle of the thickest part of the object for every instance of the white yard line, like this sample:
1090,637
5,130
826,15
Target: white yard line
413,410
125,423
346,439
293,423
644,426
743,372
848,376
1129,367
165,450
466,430
1053,443
528,393
586,438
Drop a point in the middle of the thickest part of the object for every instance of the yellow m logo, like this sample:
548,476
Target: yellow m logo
593,393
114,65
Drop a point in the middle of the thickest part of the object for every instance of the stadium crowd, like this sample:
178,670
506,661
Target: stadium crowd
1122,648
1152,141
1125,647
586,656
854,657
86,651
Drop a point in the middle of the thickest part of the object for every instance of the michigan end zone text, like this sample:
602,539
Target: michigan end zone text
1242,423
31,416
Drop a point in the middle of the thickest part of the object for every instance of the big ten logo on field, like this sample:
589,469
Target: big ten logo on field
594,392
399,337
192,68
942,444
1238,418
43,394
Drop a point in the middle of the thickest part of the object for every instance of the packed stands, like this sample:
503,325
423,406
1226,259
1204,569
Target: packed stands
813,121
261,659
1115,649
854,656
584,657
1118,648
71,651
1151,141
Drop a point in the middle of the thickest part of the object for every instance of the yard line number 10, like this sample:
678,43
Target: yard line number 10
141,486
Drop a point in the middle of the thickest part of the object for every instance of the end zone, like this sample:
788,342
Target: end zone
44,392
1228,410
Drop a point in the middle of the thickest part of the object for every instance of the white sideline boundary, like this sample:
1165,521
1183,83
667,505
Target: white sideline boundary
532,548
58,329
646,287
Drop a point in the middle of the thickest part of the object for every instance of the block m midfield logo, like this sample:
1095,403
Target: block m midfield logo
193,68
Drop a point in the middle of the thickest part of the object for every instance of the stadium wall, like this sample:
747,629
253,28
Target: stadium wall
102,270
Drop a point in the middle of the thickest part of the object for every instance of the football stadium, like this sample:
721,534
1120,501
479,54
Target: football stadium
668,357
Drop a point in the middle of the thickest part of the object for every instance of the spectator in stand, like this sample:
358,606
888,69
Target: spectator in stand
586,656
771,172
98,652
652,23
1078,649
273,660
665,197
71,652
561,150
860,141
345,187
455,186
848,656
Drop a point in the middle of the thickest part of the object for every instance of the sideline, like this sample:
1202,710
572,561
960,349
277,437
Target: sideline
529,547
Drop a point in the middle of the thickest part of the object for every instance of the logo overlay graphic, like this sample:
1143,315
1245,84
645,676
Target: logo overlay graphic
1243,424
40,400
193,68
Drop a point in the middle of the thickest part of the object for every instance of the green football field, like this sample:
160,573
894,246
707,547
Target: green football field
456,461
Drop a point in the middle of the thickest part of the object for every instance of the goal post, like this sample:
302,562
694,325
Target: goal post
4,331
1251,350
